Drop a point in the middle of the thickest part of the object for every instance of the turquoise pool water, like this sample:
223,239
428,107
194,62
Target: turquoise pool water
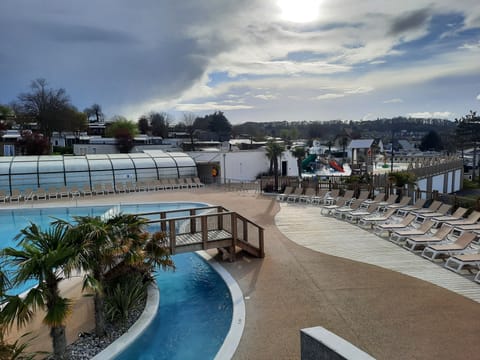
194,317
195,304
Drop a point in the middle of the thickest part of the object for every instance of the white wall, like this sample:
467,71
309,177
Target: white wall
239,166
234,165
458,180
422,185
437,183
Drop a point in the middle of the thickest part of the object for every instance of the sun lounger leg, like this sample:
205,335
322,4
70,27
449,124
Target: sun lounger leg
454,264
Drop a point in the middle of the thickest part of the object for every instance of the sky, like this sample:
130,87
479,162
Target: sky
255,60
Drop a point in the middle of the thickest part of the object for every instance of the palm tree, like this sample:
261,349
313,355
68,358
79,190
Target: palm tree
274,151
94,253
299,153
45,256
103,244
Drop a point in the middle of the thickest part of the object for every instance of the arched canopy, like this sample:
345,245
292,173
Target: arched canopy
32,172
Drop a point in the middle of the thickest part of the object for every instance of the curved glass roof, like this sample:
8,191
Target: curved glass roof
32,172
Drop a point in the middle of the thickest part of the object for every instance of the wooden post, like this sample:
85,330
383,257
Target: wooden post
245,231
233,218
260,243
193,222
163,225
172,236
220,218
204,223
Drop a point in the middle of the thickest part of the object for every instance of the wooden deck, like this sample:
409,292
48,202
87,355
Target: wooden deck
212,227
307,227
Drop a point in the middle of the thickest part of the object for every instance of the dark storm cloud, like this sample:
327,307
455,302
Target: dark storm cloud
409,21
113,53
82,33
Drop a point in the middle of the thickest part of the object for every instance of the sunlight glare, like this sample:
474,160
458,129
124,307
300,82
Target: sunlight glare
300,11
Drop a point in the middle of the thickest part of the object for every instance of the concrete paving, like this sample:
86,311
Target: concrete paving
385,313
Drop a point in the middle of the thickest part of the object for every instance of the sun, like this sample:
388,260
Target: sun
299,11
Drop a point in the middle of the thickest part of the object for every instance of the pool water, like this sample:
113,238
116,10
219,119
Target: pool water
194,316
195,304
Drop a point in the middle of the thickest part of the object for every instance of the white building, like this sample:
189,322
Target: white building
239,166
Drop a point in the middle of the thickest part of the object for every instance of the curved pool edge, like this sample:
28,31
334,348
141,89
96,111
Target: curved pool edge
147,316
232,340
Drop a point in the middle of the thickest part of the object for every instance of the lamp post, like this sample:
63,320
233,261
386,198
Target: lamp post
391,158
224,170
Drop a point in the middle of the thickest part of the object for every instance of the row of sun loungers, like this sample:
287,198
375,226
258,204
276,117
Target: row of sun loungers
433,231
99,189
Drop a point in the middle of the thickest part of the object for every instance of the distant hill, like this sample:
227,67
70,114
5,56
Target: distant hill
329,130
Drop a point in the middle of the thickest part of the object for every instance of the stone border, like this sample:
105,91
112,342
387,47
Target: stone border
234,334
320,344
230,344
148,314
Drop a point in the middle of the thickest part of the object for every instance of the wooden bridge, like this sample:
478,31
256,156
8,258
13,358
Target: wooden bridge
210,227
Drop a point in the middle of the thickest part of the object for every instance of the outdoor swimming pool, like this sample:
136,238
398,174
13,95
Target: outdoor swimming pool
195,304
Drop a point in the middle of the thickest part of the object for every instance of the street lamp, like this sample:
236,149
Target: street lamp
391,158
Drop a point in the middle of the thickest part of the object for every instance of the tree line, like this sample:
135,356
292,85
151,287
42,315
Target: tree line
51,110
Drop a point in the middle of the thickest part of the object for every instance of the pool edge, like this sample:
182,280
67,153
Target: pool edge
147,316
232,339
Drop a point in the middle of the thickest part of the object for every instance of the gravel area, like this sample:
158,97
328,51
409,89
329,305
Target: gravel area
88,344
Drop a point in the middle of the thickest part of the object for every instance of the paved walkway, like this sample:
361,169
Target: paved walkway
383,312
339,238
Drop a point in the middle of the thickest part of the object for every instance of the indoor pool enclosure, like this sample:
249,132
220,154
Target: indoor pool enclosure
21,173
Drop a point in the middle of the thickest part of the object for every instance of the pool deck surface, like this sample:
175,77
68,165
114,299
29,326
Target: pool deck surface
303,283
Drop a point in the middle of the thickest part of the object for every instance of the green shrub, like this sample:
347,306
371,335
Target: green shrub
469,184
402,178
124,295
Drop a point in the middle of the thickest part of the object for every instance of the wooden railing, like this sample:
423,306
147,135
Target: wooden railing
208,228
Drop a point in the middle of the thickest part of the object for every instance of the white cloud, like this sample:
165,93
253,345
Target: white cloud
393,101
352,48
329,96
471,46
478,97
210,106
369,116
265,96
431,115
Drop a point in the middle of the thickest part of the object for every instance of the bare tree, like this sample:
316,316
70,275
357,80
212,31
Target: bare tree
46,105
189,121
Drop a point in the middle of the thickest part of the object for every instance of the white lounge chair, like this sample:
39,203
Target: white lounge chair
441,211
404,202
419,242
433,207
319,197
197,181
295,195
460,245
86,190
389,227
332,197
415,207
351,206
457,215
355,215
460,261
398,236
470,220
378,217
3,196
341,201
307,196
16,195
63,192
